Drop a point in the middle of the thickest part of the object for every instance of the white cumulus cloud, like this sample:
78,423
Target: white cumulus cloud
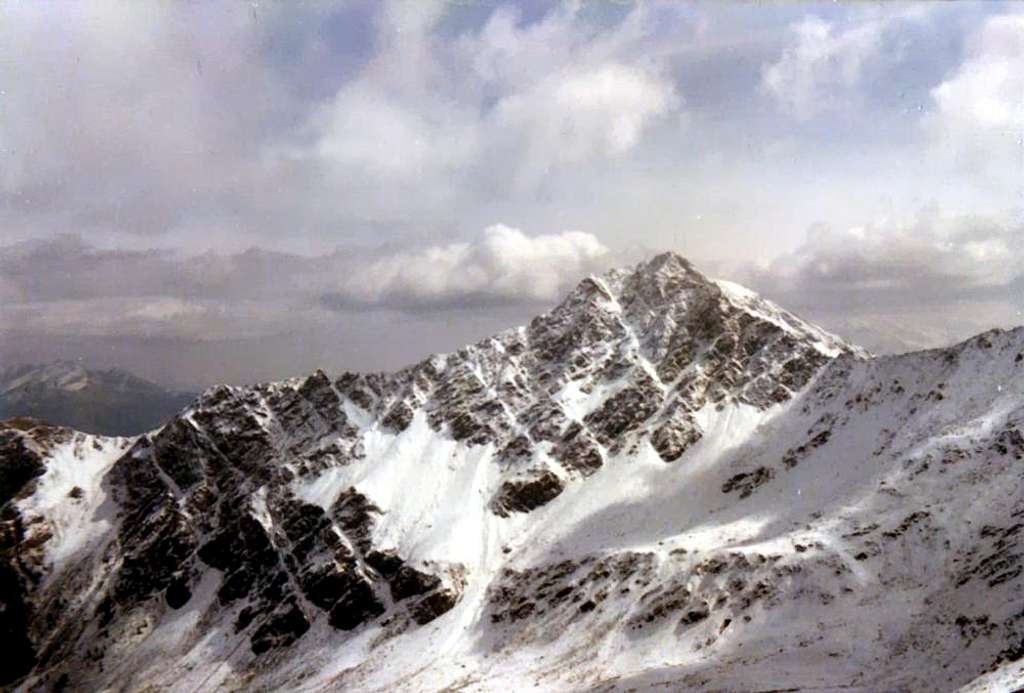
578,115
502,109
823,64
503,265
977,120
817,60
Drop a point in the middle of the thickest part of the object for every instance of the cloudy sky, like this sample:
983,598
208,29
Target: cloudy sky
207,192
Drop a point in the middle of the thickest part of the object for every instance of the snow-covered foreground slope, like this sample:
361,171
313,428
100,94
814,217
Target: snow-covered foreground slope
664,482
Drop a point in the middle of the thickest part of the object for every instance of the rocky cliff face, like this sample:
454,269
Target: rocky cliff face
659,469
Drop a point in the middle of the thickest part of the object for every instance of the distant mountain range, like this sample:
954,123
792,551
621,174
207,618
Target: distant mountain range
107,402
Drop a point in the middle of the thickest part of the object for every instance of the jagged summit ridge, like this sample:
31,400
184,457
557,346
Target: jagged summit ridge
663,468
625,359
662,333
262,483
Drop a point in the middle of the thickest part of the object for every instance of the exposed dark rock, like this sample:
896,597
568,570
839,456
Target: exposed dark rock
695,615
747,482
624,412
175,452
793,456
409,582
1009,441
398,417
659,604
675,436
973,628
318,391
387,563
306,526
19,464
245,554
355,514
908,522
435,604
178,593
280,630
360,389
15,619
519,449
357,604
546,421
156,539
578,452
996,559
523,495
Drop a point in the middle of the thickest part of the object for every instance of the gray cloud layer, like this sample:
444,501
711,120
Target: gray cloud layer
895,286
65,288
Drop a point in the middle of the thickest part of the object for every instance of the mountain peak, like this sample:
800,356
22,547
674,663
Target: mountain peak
63,392
68,375
58,374
664,463
668,261
660,340
668,289
659,278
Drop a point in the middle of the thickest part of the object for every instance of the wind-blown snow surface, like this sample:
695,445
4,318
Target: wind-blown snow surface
813,519
69,494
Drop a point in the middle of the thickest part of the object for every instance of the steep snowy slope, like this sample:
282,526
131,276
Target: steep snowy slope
52,512
665,481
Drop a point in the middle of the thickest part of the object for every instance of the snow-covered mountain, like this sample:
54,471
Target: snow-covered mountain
664,482
108,402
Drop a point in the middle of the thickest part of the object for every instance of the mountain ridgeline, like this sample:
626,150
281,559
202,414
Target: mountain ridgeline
665,481
106,402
